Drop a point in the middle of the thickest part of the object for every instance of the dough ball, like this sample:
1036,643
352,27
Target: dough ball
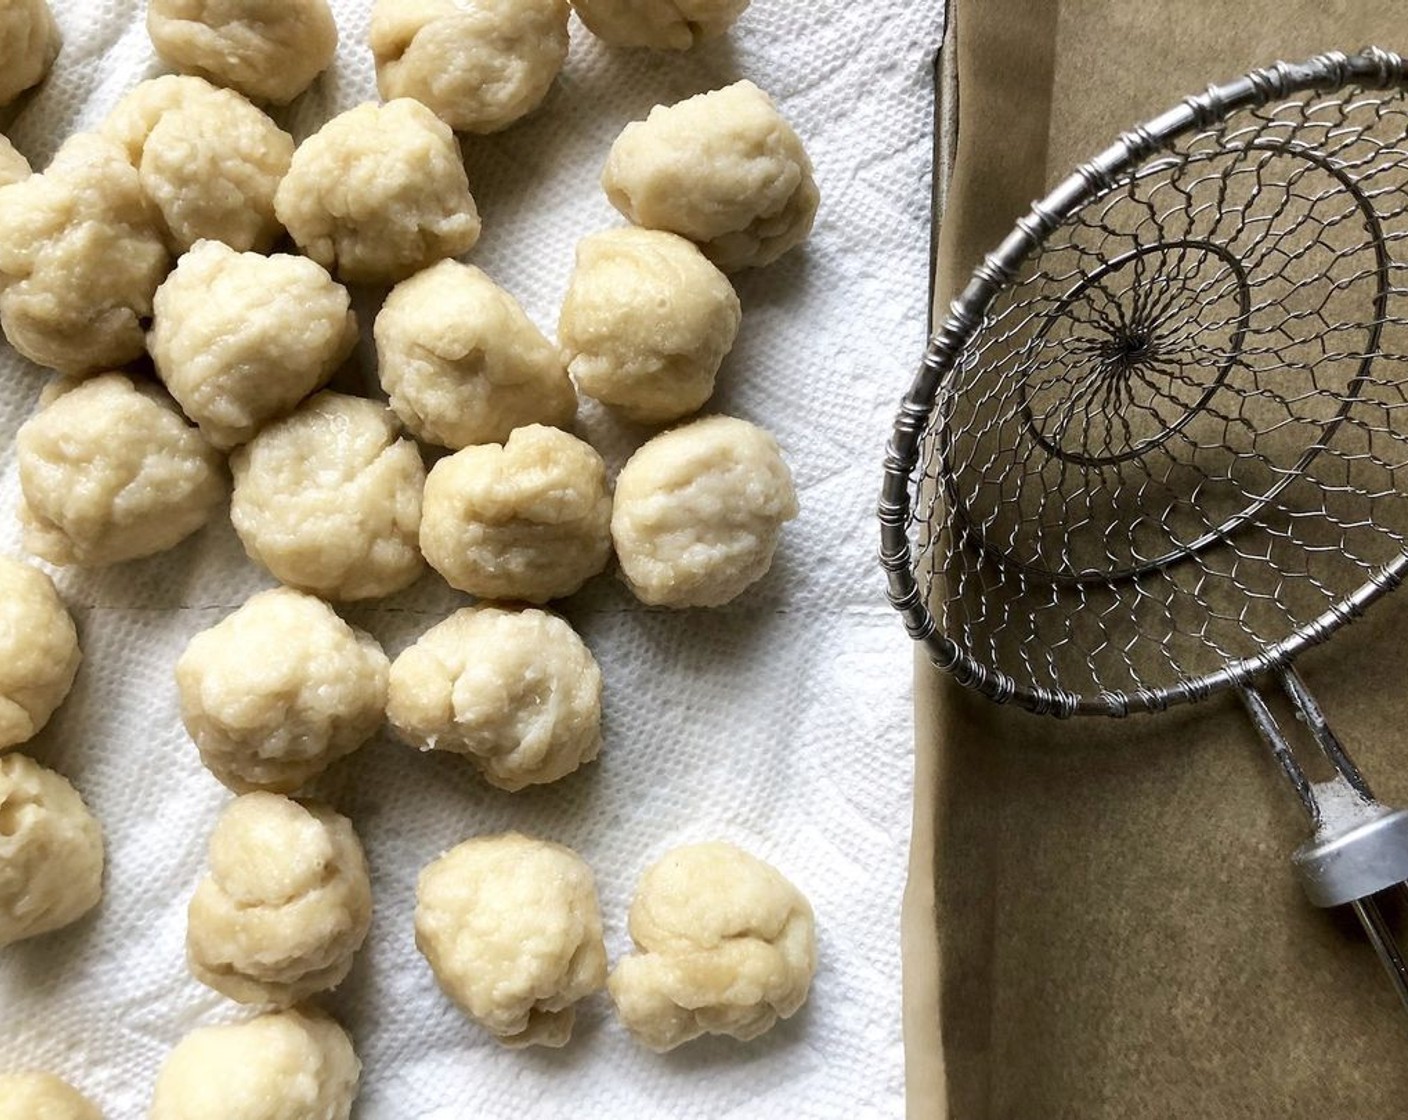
42,1096
286,905
698,512
13,165
29,43
109,471
529,520
512,930
328,499
724,945
51,851
81,252
479,65
38,651
666,25
723,169
279,690
241,338
287,1065
646,323
516,691
462,362
270,50
208,159
378,193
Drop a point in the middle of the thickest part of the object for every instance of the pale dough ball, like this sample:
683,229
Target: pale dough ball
29,43
13,165
286,1065
207,158
328,499
463,363
110,471
241,338
724,945
723,169
699,511
279,690
270,50
529,520
515,691
378,193
42,1096
511,928
38,651
646,323
667,25
286,904
81,253
51,851
479,65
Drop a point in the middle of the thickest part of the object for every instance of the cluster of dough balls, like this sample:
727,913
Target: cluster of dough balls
269,50
279,690
29,43
328,499
110,471
39,652
669,25
516,691
42,1096
724,945
479,65
285,906
511,928
723,169
285,1065
13,165
51,851
208,160
240,338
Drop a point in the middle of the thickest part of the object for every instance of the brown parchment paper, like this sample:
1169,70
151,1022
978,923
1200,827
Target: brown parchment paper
1101,919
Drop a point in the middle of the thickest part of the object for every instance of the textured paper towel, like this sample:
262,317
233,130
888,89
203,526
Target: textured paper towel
780,722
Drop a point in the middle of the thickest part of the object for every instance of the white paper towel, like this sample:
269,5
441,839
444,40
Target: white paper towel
781,722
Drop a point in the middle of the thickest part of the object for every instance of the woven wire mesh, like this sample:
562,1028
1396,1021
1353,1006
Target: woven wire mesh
1178,439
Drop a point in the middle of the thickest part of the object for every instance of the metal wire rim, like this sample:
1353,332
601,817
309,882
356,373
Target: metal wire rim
1372,68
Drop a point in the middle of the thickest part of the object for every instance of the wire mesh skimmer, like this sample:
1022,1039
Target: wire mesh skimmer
1160,445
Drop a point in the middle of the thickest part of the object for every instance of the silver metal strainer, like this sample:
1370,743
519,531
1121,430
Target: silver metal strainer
1160,446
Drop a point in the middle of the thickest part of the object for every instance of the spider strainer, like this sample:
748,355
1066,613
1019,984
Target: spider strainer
1160,445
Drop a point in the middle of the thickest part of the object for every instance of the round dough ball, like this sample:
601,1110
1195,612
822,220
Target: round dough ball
328,499
511,928
463,363
270,50
286,905
646,323
42,1096
29,43
276,692
38,651
13,165
378,193
208,159
698,512
529,520
81,253
51,851
287,1065
666,25
479,65
241,338
724,945
516,691
723,169
110,471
